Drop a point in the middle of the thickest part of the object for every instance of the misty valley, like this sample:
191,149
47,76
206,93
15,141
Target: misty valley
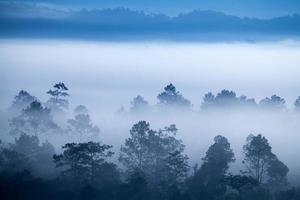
149,100
168,150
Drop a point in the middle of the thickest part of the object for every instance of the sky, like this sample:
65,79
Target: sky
250,8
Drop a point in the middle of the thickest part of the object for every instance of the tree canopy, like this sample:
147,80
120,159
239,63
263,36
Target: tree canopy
58,97
171,97
35,119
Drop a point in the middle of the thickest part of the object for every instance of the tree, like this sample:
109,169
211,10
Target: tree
135,154
208,181
297,104
136,188
257,153
39,156
241,183
82,126
176,169
22,101
226,99
171,97
208,101
81,109
290,194
139,104
86,163
11,161
217,159
155,154
245,188
275,102
35,120
245,101
277,174
57,101
261,163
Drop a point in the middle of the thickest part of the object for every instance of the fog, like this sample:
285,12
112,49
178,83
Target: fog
105,76
112,73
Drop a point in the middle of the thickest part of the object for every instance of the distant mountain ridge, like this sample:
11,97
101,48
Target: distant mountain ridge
38,21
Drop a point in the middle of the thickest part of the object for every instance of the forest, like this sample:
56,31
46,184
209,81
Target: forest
151,164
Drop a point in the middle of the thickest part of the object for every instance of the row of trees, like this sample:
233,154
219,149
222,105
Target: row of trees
30,116
38,120
225,99
169,98
57,101
152,165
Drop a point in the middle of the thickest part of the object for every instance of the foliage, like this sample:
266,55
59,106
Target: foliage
297,104
208,181
11,161
290,194
226,99
86,163
158,155
139,104
35,119
171,97
82,127
262,164
81,109
57,101
22,101
39,156
275,102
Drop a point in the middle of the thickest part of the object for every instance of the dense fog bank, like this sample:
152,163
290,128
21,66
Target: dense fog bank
224,114
119,116
106,75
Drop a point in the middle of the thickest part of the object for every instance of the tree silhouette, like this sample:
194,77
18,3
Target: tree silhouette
35,120
135,153
257,153
297,104
22,101
290,194
86,162
217,158
208,181
82,126
245,188
277,174
81,109
275,102
139,104
158,155
262,164
226,99
11,161
39,156
171,97
57,101
208,101
175,171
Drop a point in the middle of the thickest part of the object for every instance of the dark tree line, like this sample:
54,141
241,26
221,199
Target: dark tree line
170,98
151,164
